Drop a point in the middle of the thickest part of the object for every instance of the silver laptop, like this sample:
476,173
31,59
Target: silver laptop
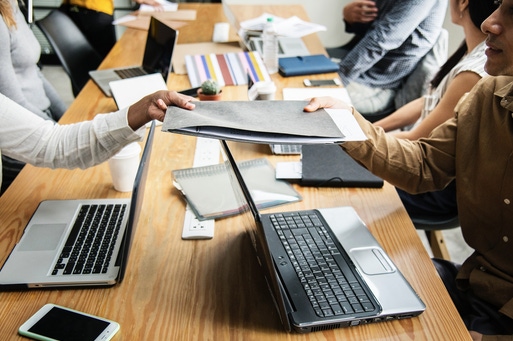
58,250
160,43
324,268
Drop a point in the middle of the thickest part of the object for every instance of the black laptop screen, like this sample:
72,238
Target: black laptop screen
160,44
136,202
253,225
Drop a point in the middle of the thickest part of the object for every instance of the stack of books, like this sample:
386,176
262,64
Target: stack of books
226,68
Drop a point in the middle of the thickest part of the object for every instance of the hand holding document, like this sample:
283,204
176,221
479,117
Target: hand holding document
281,122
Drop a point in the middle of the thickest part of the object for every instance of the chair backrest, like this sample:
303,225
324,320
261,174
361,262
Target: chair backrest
417,82
433,226
74,51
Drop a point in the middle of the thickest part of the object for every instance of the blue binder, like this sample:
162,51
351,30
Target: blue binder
306,65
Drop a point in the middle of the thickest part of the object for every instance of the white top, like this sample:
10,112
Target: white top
27,137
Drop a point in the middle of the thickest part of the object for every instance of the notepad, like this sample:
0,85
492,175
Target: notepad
208,192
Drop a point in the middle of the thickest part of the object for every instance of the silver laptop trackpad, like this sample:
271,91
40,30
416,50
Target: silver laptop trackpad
371,261
42,237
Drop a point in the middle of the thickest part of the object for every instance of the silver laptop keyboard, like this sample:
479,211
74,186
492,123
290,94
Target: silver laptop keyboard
90,244
130,72
316,259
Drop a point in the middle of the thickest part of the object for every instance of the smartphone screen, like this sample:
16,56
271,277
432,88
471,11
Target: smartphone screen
321,82
59,323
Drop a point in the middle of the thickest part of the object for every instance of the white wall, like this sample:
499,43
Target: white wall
329,14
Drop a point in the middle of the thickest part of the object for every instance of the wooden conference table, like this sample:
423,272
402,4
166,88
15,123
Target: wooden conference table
207,289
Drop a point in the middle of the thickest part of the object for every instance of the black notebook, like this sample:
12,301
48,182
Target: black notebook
329,165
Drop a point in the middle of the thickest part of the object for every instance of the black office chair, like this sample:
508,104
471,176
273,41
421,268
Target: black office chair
433,227
74,51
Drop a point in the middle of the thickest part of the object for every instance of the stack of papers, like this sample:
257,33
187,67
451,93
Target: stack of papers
290,27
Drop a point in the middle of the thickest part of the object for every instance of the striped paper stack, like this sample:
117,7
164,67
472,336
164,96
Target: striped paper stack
226,68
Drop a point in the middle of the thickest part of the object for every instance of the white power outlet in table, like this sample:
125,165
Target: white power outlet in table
206,153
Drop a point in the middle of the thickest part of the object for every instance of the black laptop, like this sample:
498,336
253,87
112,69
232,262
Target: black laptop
160,43
323,266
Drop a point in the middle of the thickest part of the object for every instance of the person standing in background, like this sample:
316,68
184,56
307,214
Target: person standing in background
94,18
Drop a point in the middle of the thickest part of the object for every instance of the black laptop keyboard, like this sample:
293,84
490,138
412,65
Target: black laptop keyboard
130,72
90,244
316,259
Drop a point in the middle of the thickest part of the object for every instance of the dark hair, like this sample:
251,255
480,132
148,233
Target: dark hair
449,64
478,10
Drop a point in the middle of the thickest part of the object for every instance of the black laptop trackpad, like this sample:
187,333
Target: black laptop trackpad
42,237
372,261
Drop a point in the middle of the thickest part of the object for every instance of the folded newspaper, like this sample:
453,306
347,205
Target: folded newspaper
282,122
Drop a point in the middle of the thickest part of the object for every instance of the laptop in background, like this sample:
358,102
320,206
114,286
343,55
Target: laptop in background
327,271
44,257
160,43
